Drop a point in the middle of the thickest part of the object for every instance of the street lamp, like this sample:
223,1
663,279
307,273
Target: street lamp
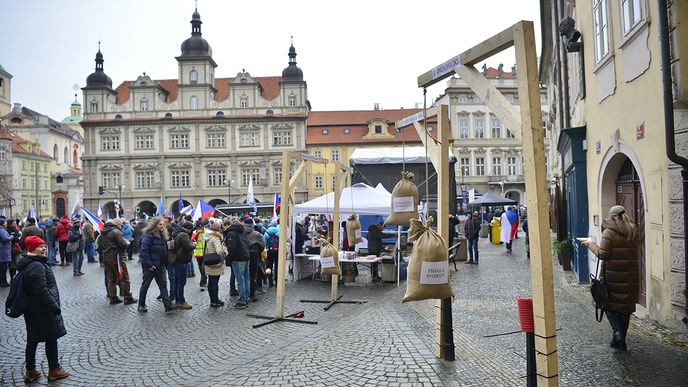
229,190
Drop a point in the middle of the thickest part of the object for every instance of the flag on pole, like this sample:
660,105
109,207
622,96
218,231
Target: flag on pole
97,223
276,207
187,210
203,210
32,214
250,199
180,206
75,210
100,212
158,211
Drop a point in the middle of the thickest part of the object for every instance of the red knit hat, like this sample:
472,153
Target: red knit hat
32,242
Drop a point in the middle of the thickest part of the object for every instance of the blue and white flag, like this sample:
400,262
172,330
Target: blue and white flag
75,209
32,214
250,199
159,210
180,206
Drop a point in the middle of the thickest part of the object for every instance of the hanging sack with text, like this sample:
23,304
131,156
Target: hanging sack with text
353,230
404,201
428,270
329,259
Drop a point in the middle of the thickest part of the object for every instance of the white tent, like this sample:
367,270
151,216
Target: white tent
382,188
360,198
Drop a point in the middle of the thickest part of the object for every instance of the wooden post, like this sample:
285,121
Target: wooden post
340,183
284,217
538,215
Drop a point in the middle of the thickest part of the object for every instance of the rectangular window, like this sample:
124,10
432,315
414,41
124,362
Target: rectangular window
24,164
378,129
632,13
144,106
110,180
509,134
144,179
109,143
179,141
281,137
33,165
143,141
466,166
334,155
215,140
94,107
496,128
179,179
496,166
600,29
463,98
318,182
317,153
463,128
277,176
23,183
247,174
511,166
243,103
480,166
479,129
249,139
217,177
292,101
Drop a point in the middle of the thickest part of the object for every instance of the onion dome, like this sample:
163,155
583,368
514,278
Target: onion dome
196,45
292,72
99,78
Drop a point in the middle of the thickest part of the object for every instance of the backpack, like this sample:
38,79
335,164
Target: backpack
18,300
273,242
171,252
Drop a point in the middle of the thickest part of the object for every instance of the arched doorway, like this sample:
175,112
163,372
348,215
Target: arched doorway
145,208
175,206
621,184
513,195
60,207
215,202
109,211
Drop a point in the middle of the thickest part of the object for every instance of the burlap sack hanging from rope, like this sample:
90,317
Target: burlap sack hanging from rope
404,201
353,230
428,270
329,259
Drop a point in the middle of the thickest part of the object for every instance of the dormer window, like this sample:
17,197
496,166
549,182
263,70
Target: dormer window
378,129
347,131
194,102
325,132
193,76
244,102
143,104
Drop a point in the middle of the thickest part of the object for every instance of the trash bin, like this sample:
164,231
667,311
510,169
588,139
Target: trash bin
495,232
484,230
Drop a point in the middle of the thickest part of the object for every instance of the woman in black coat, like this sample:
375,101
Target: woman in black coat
76,236
43,317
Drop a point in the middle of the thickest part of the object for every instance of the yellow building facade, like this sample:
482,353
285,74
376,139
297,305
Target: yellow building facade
31,182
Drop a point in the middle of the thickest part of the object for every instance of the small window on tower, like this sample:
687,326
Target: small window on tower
193,76
194,103
144,105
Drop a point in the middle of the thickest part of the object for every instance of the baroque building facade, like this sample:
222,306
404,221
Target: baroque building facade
490,158
197,135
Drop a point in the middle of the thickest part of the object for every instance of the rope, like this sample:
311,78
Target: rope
425,127
403,151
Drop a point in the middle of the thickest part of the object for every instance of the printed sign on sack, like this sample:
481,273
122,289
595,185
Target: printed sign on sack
327,262
434,273
402,204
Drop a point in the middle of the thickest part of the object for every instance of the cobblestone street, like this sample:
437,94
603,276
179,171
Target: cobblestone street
381,342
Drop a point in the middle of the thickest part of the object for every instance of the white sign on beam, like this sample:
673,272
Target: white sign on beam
410,120
446,67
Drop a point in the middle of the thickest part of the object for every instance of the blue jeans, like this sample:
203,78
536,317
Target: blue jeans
213,288
473,250
90,251
171,276
52,251
180,270
77,260
243,279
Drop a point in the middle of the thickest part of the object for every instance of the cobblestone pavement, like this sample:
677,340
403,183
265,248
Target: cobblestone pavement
381,342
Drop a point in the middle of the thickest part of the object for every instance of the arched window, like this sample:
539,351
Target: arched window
66,156
193,76
194,102
59,179
55,153
75,156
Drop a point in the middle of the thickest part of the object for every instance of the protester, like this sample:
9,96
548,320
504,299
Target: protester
471,229
62,236
375,247
76,237
13,229
271,239
153,256
183,249
617,250
301,234
256,245
6,240
112,246
509,228
198,237
30,229
89,242
238,256
43,317
214,244
50,241
128,234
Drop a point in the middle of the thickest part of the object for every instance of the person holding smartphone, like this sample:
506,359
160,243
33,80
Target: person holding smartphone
153,256
617,250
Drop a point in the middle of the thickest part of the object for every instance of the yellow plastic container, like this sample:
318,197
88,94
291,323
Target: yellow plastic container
496,229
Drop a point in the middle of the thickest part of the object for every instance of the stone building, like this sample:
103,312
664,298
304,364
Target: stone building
197,135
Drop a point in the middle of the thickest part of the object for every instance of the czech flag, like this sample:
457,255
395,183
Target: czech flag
100,212
203,210
120,269
180,203
97,223
276,207
187,210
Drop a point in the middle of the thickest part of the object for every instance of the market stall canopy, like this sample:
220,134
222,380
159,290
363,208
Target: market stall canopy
491,198
366,201
382,188
386,155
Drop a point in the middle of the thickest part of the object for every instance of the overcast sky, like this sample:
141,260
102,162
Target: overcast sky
353,53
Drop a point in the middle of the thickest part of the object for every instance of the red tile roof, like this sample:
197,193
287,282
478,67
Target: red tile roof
18,141
357,122
270,85
492,73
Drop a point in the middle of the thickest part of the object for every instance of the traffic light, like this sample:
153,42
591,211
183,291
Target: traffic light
101,190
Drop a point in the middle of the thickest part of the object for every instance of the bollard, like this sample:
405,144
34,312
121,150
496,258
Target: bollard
525,317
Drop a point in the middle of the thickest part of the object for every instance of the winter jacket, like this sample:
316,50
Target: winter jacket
471,228
29,231
213,243
43,317
111,243
75,235
183,248
50,233
375,236
62,229
89,235
271,231
256,244
152,252
300,238
237,243
128,232
6,241
619,267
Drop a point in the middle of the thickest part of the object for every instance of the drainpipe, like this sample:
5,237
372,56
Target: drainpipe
669,126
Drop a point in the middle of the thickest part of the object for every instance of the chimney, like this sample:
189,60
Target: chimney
377,106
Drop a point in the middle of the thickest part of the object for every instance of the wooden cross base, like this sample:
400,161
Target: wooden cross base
333,303
271,319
